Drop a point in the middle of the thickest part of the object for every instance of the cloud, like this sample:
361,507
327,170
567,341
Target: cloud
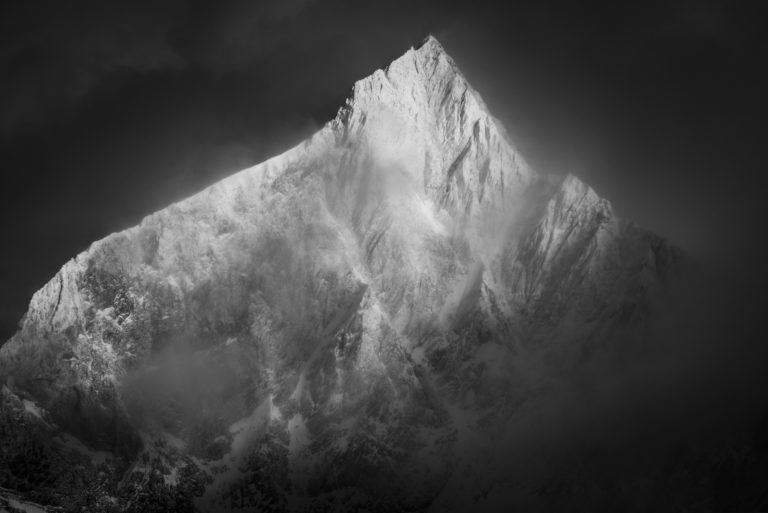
715,21
53,55
226,36
676,407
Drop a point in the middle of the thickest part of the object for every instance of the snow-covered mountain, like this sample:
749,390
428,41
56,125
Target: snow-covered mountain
346,326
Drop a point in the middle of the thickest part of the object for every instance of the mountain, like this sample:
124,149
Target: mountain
351,325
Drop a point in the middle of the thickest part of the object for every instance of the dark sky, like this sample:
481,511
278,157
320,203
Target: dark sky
112,110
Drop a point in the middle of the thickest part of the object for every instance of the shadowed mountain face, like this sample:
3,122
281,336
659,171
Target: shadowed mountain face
352,325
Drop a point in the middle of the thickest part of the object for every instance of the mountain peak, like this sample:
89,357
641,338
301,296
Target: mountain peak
430,45
421,115
426,66
424,84
300,315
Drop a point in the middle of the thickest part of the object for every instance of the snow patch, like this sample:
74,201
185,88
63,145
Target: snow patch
26,507
249,429
172,479
174,442
97,457
297,429
31,408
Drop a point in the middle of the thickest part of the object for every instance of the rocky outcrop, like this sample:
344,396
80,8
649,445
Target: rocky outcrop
302,334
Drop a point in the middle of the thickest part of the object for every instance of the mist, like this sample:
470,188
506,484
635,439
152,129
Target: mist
670,421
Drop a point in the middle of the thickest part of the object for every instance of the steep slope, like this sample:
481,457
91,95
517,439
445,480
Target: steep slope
327,328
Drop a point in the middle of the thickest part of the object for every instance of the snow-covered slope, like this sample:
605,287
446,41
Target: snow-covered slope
328,328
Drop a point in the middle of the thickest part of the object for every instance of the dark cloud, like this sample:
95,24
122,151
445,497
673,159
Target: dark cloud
53,54
233,35
680,419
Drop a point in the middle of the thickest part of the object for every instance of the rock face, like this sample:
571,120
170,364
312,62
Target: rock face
327,330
